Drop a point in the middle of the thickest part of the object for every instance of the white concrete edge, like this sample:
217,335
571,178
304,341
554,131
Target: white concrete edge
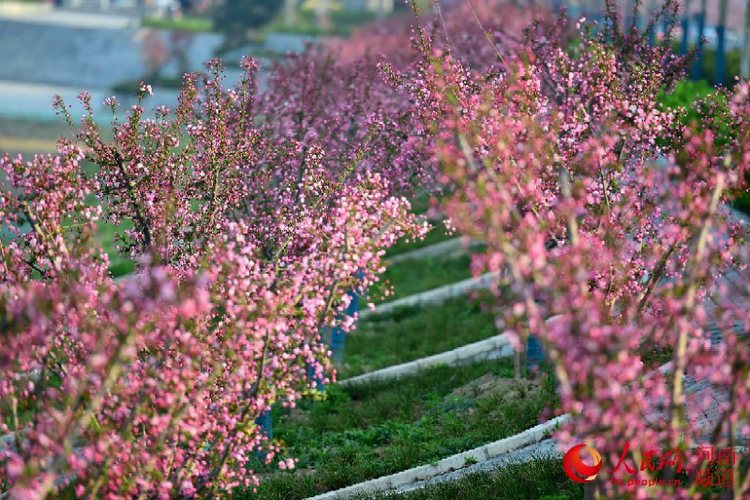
468,462
544,449
495,347
455,462
436,295
405,480
482,349
435,250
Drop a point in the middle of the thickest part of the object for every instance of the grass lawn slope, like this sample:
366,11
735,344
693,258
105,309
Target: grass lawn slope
542,479
411,333
409,277
364,432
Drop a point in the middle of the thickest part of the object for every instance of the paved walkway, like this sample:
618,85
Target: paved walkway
33,101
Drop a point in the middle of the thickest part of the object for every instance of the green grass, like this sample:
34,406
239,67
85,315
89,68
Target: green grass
424,199
343,22
132,87
684,96
119,265
703,107
541,479
742,203
369,431
407,244
415,332
185,23
414,276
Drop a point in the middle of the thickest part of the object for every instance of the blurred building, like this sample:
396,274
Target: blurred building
139,7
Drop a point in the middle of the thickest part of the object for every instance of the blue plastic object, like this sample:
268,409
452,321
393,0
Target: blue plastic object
534,352
697,71
720,56
265,422
338,335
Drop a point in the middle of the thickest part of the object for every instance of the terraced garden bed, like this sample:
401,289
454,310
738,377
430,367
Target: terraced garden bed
411,333
346,435
541,479
368,431
414,276
436,235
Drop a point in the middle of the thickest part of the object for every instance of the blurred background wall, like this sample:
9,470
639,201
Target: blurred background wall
107,47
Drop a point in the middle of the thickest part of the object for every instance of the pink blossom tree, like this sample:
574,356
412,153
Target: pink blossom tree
246,243
607,223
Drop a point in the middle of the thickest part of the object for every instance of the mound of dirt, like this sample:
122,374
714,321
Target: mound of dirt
490,385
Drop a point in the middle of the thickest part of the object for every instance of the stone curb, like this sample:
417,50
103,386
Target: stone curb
519,448
491,348
455,462
541,450
444,247
436,295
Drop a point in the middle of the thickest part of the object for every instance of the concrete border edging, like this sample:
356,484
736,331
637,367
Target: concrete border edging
455,462
492,348
436,295
546,448
453,245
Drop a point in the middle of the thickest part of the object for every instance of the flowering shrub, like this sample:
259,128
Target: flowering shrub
246,240
251,214
606,221
350,107
458,24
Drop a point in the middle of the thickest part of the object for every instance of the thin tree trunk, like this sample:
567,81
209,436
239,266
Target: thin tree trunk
698,63
721,44
290,12
685,28
322,14
745,61
385,7
650,13
633,15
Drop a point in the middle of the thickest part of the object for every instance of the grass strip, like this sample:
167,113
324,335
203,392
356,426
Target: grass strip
419,275
185,23
363,432
411,333
541,479
406,244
